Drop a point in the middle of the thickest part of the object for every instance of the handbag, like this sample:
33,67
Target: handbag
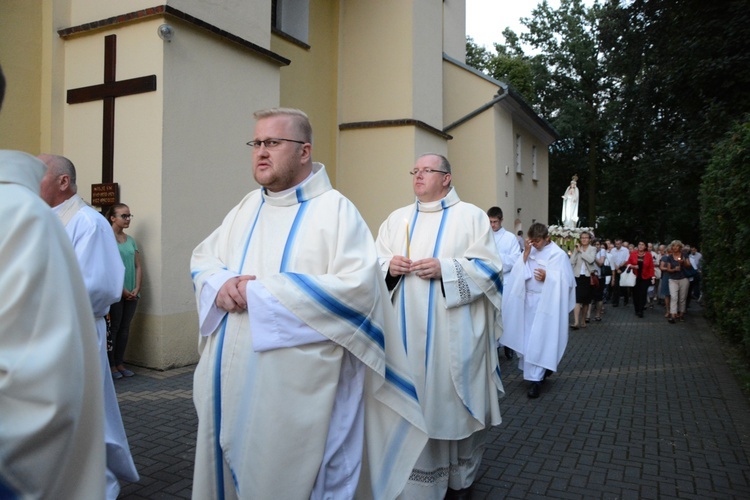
595,281
627,278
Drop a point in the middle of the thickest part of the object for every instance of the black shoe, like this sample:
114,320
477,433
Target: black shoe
508,353
639,314
462,494
615,305
547,373
671,320
534,389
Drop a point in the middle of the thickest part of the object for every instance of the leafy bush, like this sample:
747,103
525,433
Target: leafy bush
725,226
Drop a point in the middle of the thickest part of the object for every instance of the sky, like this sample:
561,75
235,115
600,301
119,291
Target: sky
486,19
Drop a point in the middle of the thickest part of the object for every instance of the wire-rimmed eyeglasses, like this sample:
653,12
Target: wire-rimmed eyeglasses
416,171
271,143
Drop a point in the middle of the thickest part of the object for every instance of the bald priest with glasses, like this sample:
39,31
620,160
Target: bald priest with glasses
302,389
440,263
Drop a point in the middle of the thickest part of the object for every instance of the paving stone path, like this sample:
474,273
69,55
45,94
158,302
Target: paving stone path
640,409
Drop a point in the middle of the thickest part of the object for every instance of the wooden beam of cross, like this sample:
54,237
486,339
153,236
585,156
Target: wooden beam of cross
107,92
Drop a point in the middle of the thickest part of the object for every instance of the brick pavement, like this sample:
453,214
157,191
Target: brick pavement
640,409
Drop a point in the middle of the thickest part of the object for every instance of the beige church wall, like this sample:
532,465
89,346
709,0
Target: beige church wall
248,19
474,161
454,29
427,60
507,196
481,147
86,11
160,342
464,92
377,71
310,82
21,59
55,14
531,194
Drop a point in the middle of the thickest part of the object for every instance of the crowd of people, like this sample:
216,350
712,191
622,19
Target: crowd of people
667,275
332,364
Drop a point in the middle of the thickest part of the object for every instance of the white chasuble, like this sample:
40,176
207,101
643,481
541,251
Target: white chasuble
448,328
103,274
271,408
51,402
536,313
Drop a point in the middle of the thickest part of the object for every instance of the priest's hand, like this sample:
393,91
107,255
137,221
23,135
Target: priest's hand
540,274
526,249
233,294
399,266
427,269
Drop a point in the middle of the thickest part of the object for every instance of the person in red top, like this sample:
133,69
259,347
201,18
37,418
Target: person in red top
643,265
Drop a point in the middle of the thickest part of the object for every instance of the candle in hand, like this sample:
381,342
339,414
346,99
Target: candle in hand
407,239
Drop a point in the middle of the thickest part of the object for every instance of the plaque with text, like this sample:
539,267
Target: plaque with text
104,195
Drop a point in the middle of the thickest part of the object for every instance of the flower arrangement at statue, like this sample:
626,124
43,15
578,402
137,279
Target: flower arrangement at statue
567,237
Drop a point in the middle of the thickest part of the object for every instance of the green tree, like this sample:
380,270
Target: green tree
726,234
682,67
504,65
572,89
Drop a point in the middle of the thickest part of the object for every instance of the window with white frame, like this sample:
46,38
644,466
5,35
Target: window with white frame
292,18
533,163
519,170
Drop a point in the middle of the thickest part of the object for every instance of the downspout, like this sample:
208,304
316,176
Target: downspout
479,110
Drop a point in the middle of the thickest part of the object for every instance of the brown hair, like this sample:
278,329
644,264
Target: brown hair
111,211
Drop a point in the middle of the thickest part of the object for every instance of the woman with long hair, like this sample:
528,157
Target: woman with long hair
121,313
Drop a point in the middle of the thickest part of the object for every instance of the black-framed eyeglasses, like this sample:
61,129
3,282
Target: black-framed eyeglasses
126,216
271,143
426,171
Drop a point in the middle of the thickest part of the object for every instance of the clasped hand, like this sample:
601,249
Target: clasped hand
424,268
232,296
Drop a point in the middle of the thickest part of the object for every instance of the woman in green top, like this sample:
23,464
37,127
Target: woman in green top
121,313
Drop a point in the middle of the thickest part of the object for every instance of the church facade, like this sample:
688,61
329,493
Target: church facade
157,97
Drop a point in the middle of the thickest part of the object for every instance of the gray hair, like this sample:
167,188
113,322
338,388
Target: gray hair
59,165
445,165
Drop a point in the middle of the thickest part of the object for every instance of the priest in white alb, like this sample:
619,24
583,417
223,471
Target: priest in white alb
51,409
103,274
439,260
509,252
537,307
302,389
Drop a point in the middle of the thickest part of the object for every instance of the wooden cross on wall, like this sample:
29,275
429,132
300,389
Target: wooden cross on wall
107,92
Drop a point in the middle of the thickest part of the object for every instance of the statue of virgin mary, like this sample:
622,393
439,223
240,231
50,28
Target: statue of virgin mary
570,204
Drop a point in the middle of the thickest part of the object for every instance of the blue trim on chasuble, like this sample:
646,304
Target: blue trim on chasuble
431,303
338,308
401,383
493,274
403,286
398,437
292,237
219,455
